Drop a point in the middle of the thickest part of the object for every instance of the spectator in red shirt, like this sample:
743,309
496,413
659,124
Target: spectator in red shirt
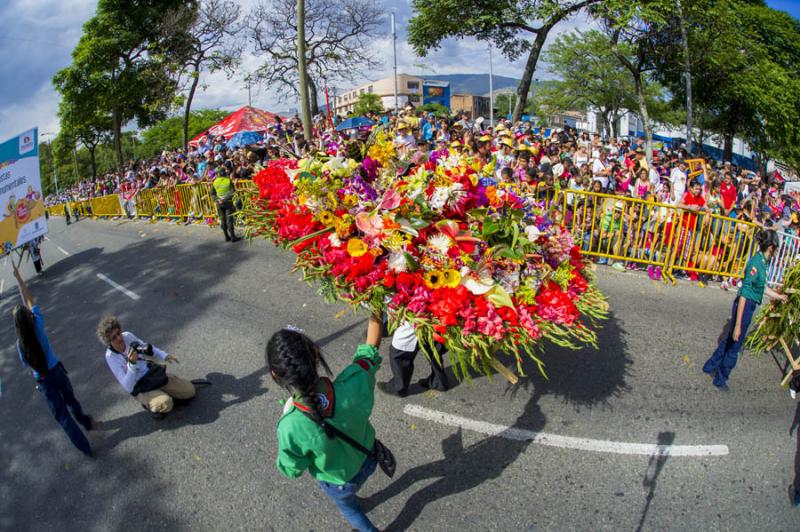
693,201
728,192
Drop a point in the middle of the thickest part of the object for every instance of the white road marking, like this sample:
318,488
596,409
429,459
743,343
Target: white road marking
119,287
62,250
2,285
566,442
47,238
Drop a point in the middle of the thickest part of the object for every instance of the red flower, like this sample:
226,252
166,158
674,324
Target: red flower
555,305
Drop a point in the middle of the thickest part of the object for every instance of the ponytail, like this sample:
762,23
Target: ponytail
293,358
32,352
767,239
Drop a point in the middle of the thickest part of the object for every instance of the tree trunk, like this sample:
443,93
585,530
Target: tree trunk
727,150
301,68
606,123
688,76
93,159
188,108
524,86
645,116
116,119
312,97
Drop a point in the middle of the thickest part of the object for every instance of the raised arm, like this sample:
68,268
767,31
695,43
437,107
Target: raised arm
27,298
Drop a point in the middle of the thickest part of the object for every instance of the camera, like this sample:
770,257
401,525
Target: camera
142,349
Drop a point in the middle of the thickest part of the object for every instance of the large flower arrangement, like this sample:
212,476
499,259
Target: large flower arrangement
470,262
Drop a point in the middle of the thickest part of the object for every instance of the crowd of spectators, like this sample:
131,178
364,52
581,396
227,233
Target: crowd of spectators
521,154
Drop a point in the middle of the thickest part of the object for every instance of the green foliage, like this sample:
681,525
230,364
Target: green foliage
504,104
168,134
368,103
436,109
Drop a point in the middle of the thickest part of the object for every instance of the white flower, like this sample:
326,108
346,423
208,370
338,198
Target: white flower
333,238
532,232
439,198
439,243
397,262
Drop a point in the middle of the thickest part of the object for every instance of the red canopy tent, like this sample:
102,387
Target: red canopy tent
245,119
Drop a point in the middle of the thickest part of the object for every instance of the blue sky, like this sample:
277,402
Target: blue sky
39,36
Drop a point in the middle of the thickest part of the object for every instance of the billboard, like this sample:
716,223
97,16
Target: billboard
21,202
436,92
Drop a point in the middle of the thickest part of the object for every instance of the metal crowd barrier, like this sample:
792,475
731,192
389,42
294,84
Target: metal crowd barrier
657,234
787,253
603,225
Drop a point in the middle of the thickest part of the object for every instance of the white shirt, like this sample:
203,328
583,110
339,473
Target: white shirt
598,167
678,180
655,179
404,338
126,373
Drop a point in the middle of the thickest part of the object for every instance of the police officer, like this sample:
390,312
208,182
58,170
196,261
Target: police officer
750,294
222,190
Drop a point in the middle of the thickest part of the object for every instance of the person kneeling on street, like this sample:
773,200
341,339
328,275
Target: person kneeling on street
134,364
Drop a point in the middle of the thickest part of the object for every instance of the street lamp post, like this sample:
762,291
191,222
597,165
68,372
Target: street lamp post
491,90
394,59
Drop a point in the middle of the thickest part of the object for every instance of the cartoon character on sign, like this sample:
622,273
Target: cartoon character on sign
32,195
10,206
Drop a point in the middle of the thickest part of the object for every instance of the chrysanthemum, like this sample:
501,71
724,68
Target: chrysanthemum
439,243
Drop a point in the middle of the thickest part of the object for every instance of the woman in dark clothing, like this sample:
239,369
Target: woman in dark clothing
51,377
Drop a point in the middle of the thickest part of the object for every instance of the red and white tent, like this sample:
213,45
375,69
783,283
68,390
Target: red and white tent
245,119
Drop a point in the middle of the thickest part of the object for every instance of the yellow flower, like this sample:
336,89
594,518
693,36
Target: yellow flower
434,279
452,278
327,218
350,200
356,247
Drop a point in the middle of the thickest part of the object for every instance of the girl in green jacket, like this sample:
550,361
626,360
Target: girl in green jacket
305,440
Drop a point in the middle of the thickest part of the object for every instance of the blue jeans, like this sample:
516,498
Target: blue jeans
57,391
345,497
724,358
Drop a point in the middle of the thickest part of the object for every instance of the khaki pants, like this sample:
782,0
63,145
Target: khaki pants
161,400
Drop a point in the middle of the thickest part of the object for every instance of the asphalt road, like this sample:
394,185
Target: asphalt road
210,464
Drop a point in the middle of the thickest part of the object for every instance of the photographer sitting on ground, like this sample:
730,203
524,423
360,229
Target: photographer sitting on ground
144,379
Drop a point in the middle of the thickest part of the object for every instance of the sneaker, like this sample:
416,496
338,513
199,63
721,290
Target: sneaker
388,389
618,266
724,286
701,284
792,394
602,261
723,388
651,272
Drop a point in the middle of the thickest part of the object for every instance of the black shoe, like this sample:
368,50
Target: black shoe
88,423
426,383
227,238
235,239
388,389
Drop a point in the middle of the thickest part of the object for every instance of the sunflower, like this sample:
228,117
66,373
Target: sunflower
327,218
356,247
452,278
434,279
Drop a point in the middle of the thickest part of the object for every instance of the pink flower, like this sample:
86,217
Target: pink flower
391,200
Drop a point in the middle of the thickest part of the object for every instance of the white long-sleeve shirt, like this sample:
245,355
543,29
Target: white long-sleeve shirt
126,373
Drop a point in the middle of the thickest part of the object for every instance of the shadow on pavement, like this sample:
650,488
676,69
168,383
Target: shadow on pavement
45,480
794,487
461,469
224,392
650,480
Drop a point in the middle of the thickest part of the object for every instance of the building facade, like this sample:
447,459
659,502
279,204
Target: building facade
409,90
475,105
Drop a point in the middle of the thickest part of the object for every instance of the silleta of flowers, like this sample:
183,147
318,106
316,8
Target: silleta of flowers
436,241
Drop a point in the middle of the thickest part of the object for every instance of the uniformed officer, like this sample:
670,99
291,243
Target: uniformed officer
750,294
222,191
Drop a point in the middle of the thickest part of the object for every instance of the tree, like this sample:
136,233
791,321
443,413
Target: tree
745,74
590,78
368,103
168,134
213,46
515,27
338,39
128,59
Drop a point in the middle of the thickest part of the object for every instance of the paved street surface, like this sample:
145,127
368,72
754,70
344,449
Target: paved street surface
474,458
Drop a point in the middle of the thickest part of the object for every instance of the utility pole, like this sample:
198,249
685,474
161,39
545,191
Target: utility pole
301,66
688,75
491,90
394,59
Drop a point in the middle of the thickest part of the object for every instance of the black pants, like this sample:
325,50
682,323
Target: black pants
402,363
225,211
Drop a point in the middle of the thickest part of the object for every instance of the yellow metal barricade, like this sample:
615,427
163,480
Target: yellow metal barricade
106,206
646,232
